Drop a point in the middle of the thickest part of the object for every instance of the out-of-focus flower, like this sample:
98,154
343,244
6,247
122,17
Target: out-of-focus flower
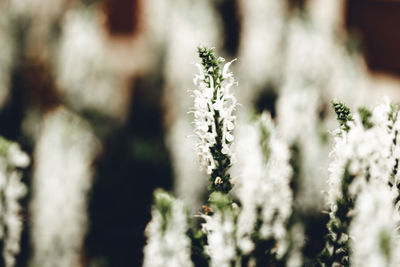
374,229
263,187
299,125
85,75
167,242
11,190
189,184
62,178
366,144
363,154
263,30
220,231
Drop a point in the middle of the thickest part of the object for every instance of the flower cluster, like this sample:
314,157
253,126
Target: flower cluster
62,173
167,245
262,223
365,152
263,188
11,190
366,145
254,233
375,240
220,229
214,107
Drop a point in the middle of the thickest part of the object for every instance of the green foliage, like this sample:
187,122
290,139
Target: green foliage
4,146
211,66
336,250
385,239
220,201
365,115
295,163
343,114
163,202
265,139
393,113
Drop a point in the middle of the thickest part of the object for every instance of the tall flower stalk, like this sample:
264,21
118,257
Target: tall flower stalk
213,110
336,250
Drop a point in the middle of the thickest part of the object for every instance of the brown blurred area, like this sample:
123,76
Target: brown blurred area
376,23
123,16
373,23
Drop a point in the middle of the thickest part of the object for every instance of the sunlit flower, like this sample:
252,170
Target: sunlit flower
214,118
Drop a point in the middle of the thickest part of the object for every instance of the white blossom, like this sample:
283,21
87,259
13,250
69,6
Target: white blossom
260,51
85,74
299,125
205,108
189,183
374,235
193,22
297,235
368,152
12,189
64,154
220,230
167,242
263,184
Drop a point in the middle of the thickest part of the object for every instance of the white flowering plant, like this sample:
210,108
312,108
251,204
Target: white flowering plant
253,228
258,223
365,163
214,107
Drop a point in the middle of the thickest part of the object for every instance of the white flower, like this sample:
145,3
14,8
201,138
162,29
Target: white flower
17,157
297,117
11,190
85,72
62,178
220,230
366,152
213,105
374,236
167,242
263,185
370,152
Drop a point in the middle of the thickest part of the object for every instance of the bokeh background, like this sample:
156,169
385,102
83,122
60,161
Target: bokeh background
124,69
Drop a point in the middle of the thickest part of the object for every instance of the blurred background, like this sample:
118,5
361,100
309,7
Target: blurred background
118,74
